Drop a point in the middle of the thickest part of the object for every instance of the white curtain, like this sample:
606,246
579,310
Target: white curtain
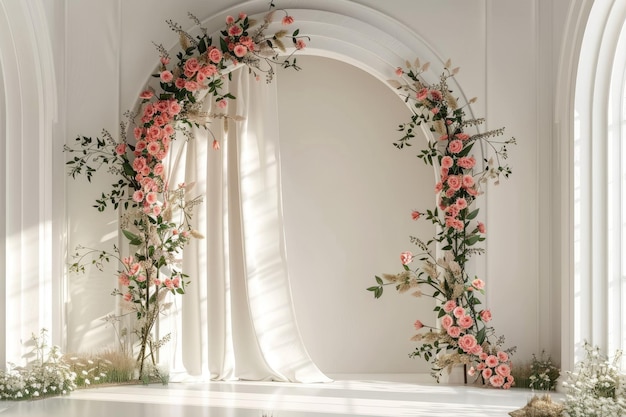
236,320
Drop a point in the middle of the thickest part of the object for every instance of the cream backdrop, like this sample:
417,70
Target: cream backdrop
507,50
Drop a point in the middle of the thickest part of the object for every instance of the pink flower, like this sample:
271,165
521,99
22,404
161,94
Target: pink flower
406,257
166,76
415,214
215,55
502,356
434,110
492,361
438,187
120,149
487,373
454,331
454,182
128,296
287,20
216,145
480,366
436,95
496,380
141,278
462,136
138,132
449,306
134,269
399,71
146,95
138,196
158,169
153,148
444,173
128,260
222,104
467,162
156,210
444,137
478,283
446,322
471,371
191,86
447,162
422,94
467,342
465,322
477,350
240,50
455,146
485,315
468,181
300,44
179,83
503,370
174,108
461,203
481,227
230,20
458,312
165,60
483,356
176,282
151,198
124,280
418,325
235,31
168,283
454,223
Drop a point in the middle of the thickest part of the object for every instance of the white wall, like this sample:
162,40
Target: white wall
507,50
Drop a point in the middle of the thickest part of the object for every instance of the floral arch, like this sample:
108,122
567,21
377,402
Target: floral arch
339,37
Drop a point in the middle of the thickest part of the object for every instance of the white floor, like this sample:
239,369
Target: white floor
265,399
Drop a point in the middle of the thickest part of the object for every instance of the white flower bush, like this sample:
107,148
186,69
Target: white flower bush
596,388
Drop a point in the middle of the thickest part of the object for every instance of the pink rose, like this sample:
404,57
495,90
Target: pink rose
158,169
455,146
156,210
467,342
438,187
240,50
492,361
480,366
444,173
503,370
215,55
496,380
483,356
134,269
458,312
153,149
478,283
300,44
141,278
216,145
487,373
406,257
138,132
452,211
502,356
146,95
191,86
465,322
422,94
485,315
462,136
179,83
138,196
481,227
222,104
418,325
120,149
454,182
461,203
471,371
399,71
235,31
468,181
434,110
446,322
467,162
435,95
166,76
124,280
128,296
444,137
454,331
449,306
415,214
151,197
174,108
454,223
447,162
287,20
165,60
477,350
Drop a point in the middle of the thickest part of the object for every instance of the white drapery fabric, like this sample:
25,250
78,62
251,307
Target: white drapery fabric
236,320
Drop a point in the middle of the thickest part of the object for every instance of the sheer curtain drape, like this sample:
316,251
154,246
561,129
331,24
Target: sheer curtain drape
236,320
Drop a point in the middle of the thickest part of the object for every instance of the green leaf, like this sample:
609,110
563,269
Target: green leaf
472,215
379,280
133,238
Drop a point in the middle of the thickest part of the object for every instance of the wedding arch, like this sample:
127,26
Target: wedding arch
342,37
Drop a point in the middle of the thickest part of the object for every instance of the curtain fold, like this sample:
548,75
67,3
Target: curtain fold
236,320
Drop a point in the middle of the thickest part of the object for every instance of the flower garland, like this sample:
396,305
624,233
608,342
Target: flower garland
156,219
462,336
